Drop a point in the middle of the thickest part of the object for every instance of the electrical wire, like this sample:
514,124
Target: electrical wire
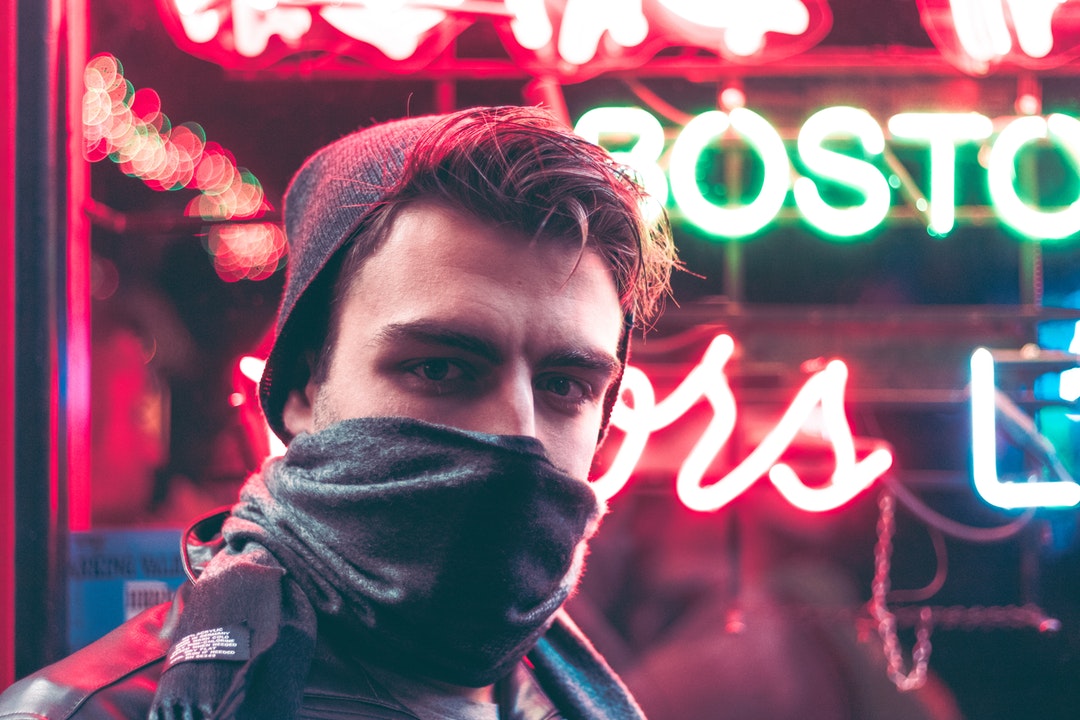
657,104
953,528
941,557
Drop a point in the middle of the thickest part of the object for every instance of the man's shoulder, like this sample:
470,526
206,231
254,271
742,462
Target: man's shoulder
114,677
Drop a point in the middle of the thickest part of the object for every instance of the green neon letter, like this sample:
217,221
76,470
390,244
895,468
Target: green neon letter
1001,173
943,131
730,222
643,154
843,170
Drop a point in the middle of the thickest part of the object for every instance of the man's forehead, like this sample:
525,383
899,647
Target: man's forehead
440,272
426,232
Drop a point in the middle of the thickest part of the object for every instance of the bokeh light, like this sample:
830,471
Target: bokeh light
251,251
129,127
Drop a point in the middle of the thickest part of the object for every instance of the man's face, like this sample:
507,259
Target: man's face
458,322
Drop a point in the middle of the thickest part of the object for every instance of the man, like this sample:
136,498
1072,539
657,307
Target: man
453,330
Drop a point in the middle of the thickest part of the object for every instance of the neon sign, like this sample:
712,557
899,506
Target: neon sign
569,38
575,39
1069,383
977,35
986,404
245,395
824,391
638,139
943,133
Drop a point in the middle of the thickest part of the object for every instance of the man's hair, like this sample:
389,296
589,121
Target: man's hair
519,168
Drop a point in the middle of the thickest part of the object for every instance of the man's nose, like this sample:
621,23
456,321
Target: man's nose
510,409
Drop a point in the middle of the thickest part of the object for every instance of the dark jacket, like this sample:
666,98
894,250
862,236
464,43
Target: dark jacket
116,676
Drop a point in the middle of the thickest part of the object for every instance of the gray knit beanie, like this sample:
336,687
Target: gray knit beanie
325,205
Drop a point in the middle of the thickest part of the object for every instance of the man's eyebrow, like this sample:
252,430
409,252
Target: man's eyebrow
583,359
436,333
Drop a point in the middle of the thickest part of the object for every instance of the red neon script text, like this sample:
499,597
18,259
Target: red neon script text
707,380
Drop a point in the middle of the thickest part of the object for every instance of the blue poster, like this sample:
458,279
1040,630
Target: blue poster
113,575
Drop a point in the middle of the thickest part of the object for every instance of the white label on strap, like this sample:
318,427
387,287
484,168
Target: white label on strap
223,643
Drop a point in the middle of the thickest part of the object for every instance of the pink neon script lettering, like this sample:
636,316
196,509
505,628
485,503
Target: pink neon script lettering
707,380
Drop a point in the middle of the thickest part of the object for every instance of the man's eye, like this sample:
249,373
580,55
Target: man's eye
566,388
436,370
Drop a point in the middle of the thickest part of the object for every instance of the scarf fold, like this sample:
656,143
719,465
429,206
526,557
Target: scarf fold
442,553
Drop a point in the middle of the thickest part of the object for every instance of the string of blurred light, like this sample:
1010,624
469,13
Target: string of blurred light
128,127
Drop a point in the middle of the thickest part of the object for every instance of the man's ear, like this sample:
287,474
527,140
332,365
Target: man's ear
298,414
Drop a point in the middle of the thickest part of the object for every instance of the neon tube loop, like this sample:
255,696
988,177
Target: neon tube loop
1004,494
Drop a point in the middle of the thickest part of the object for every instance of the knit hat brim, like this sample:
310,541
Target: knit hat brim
326,204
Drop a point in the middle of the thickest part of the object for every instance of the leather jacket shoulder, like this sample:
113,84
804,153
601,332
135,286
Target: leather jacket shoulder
113,677
116,677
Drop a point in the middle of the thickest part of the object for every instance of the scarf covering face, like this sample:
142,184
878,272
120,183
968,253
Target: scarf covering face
440,552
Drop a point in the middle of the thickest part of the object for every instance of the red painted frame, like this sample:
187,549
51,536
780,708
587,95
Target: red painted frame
8,50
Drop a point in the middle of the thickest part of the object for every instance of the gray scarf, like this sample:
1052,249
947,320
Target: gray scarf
441,553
